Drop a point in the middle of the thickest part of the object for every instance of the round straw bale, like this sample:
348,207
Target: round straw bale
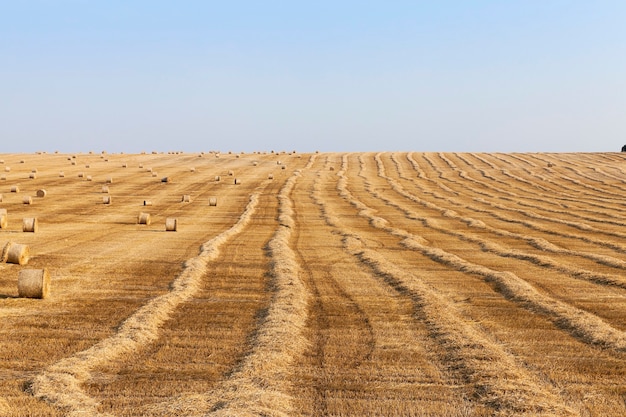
3,221
106,199
193,169
124,165
32,175
7,169
62,174
166,179
81,175
30,224
171,224
3,177
186,198
270,177
41,193
15,189
27,200
140,165
1,161
4,252
154,174
22,161
73,162
34,170
87,166
147,202
213,201
88,177
231,173
17,253
105,189
217,178
237,181
277,162
33,283
282,167
110,180
143,218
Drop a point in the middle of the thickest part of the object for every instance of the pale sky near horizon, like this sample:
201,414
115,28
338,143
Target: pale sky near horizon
464,76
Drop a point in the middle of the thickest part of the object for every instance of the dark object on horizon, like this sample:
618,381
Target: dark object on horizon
624,148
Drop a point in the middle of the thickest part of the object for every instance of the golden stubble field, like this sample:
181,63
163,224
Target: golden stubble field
325,284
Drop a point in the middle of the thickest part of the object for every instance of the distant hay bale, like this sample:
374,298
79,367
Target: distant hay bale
149,169
61,174
87,166
34,170
278,162
27,200
88,177
283,167
237,181
147,202
171,224
110,180
7,169
270,176
255,163
143,218
73,162
16,253
4,222
166,179
15,189
81,175
32,176
3,177
332,168
124,165
231,173
106,199
154,174
105,189
41,193
1,161
193,169
30,225
22,161
186,198
140,166
213,201
217,178
33,283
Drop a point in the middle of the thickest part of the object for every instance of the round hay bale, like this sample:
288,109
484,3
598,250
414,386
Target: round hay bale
4,222
88,177
166,179
186,198
32,176
22,161
73,162
17,253
3,177
4,253
41,193
62,174
105,189
213,201
87,166
217,178
15,189
140,165
106,199
283,167
237,181
30,224
81,175
332,168
7,169
110,180
171,224
33,283
270,177
147,202
231,173
124,165
143,218
27,200
193,170
154,174
277,162
34,170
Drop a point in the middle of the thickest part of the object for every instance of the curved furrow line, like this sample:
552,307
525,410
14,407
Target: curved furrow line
550,200
497,380
492,247
61,383
259,386
586,326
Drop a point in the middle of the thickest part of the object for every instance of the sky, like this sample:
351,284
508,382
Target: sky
329,76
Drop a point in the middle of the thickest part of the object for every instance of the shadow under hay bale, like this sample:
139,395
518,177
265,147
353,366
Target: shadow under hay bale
33,283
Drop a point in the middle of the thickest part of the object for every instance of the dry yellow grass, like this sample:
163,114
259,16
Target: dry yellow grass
407,283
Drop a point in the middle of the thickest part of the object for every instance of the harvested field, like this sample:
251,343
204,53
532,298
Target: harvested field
326,284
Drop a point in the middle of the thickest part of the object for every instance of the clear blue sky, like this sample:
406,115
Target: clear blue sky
438,75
